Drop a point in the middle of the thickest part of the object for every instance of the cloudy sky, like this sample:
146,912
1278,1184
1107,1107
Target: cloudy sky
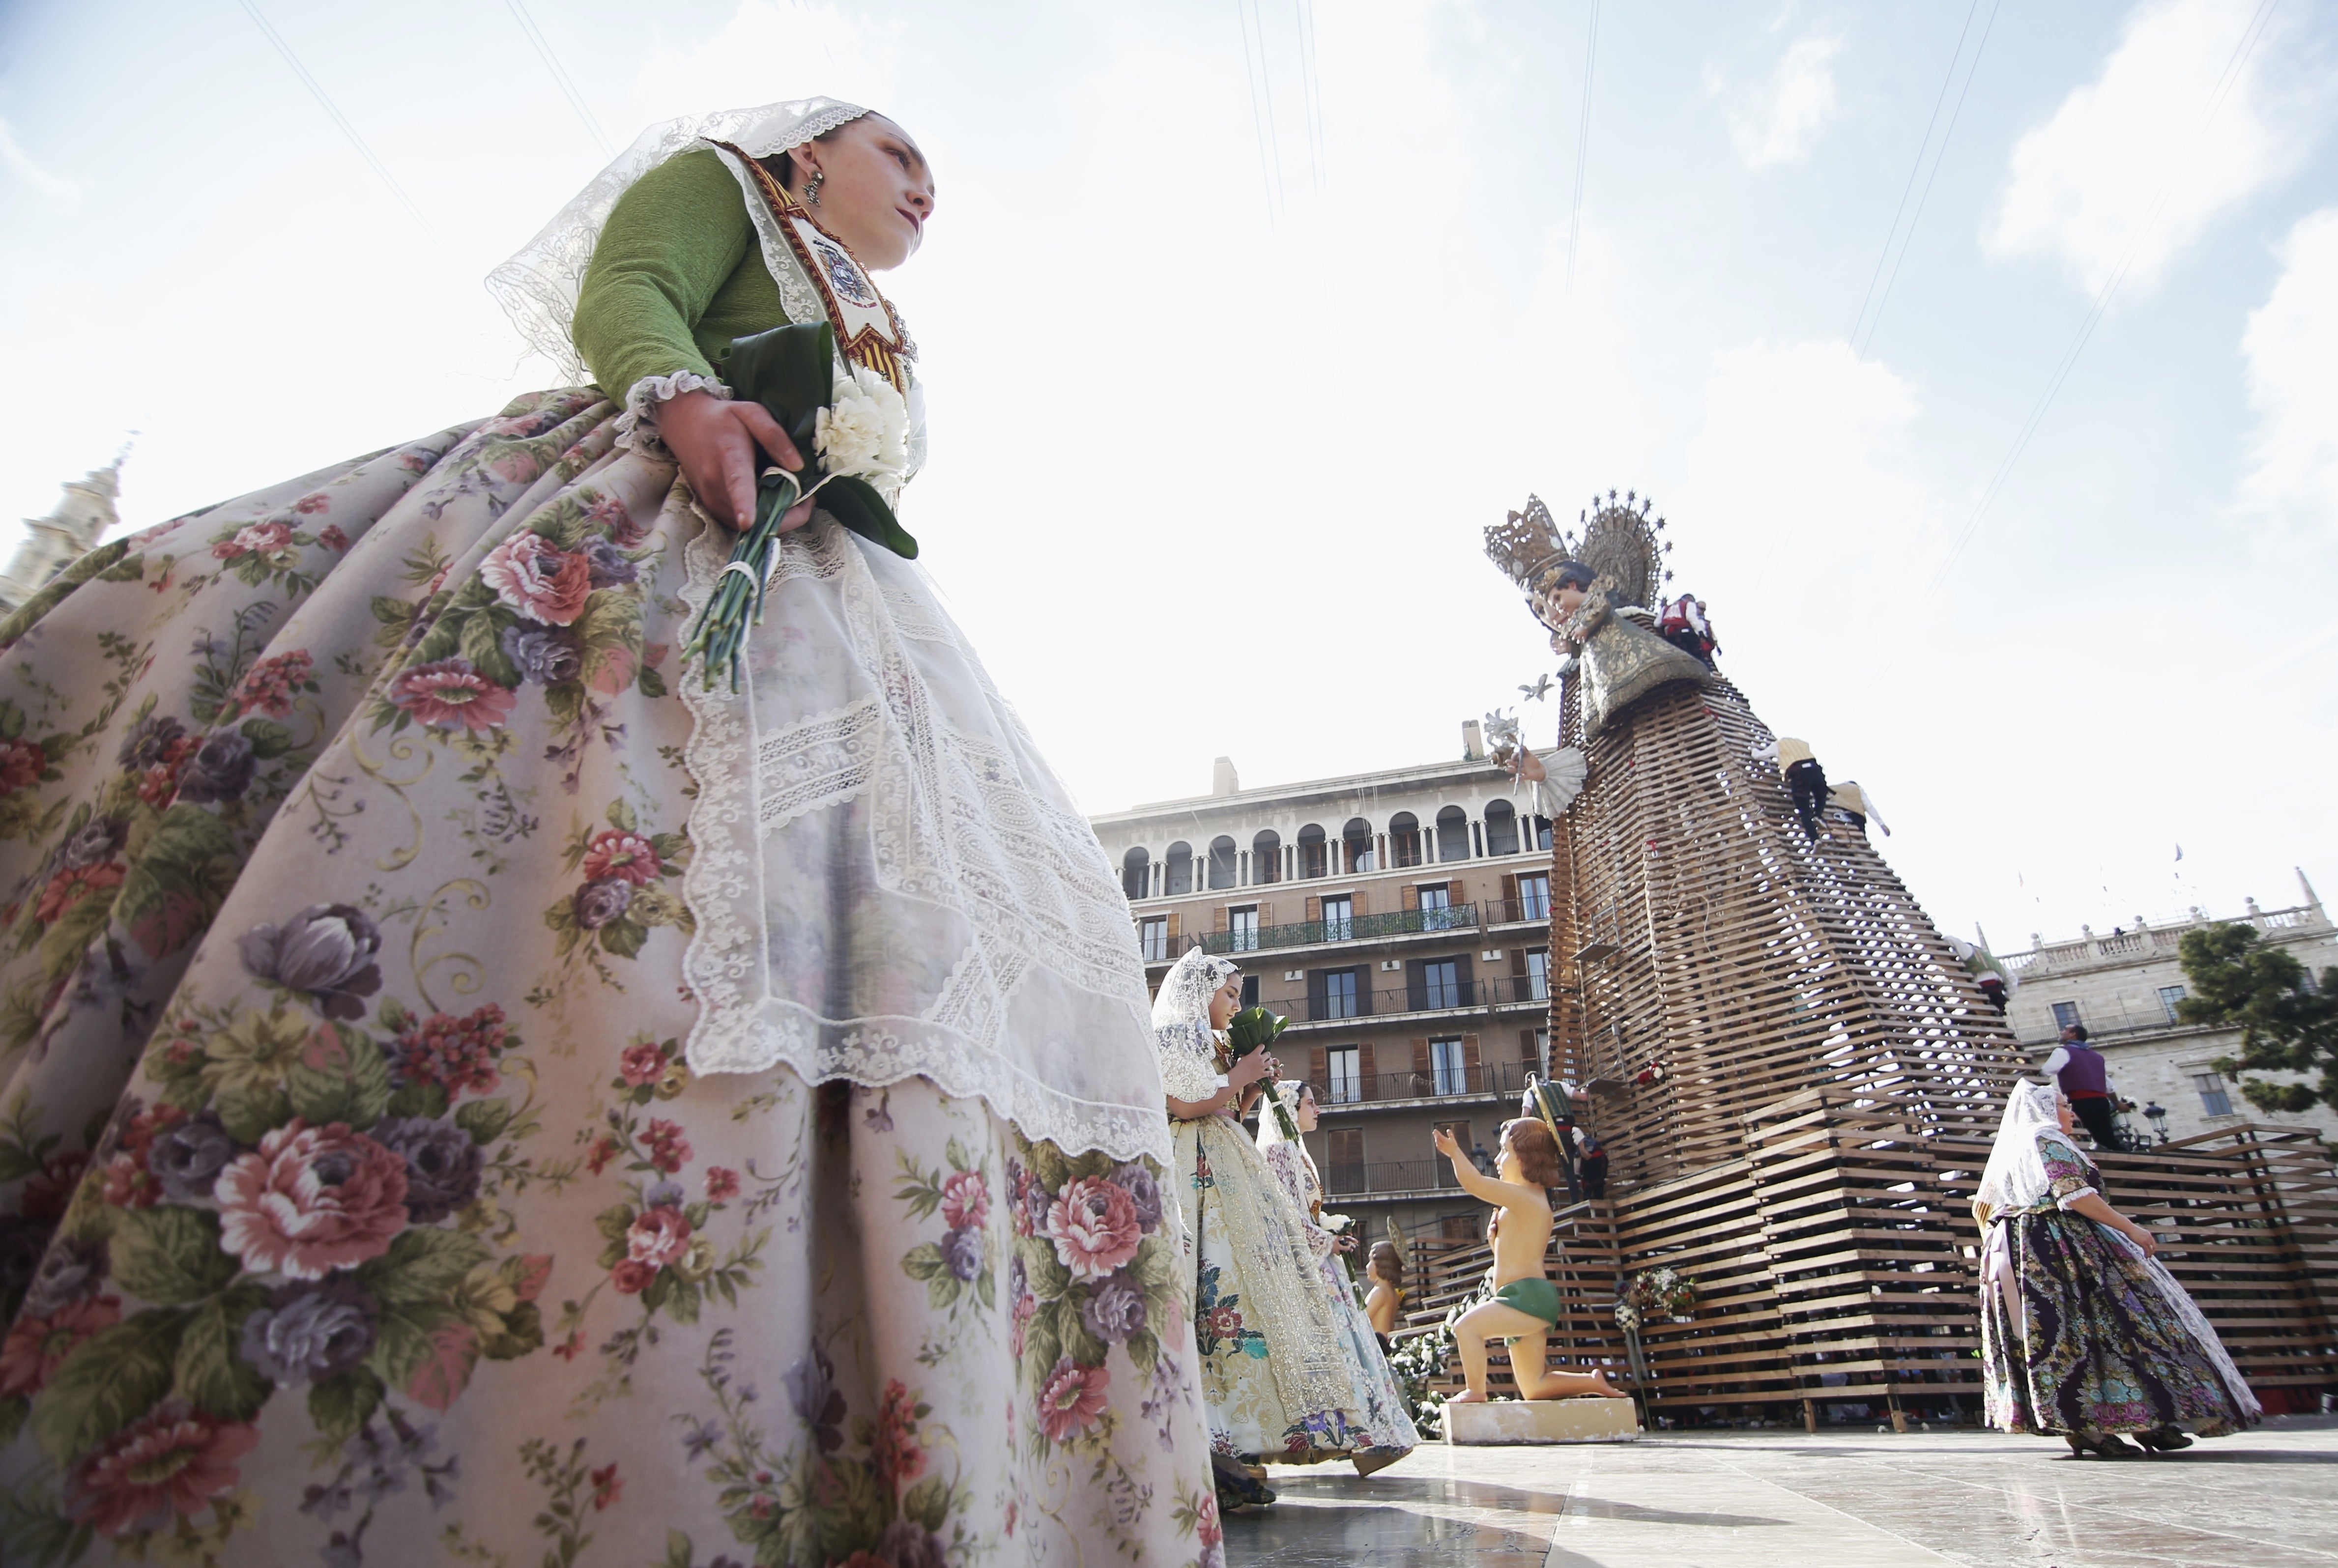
1984,357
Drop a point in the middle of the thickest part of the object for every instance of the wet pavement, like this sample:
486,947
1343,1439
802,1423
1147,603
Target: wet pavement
2266,1499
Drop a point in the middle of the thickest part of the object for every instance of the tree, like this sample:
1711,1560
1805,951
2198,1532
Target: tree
2287,1023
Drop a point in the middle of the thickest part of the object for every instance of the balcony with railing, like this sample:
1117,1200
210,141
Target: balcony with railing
1357,928
1425,995
1452,1081
1389,1178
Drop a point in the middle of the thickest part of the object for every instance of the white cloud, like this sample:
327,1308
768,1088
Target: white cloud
16,158
1778,120
769,50
2078,186
2291,346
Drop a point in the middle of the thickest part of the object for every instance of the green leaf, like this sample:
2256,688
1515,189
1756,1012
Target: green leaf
12,1419
651,683
402,1340
523,1332
683,1308
928,1503
791,371
1072,1332
250,1112
342,1076
268,738
481,642
418,1097
483,1120
341,1404
423,1264
168,1255
209,1374
678,1552
1144,1349
622,938
113,1377
856,504
621,816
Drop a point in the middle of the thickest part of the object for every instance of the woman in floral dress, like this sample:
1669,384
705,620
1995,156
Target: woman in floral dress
2084,1333
1278,1382
1294,1168
470,1092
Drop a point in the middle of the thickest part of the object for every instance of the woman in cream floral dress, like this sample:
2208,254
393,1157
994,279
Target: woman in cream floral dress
470,1093
1280,1384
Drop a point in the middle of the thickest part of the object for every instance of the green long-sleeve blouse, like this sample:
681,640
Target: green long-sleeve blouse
676,275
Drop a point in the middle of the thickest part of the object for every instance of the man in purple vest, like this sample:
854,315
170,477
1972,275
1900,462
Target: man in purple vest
2078,1068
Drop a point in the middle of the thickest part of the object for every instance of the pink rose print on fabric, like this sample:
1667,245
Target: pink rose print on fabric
457,1053
257,539
21,763
966,1199
540,580
331,537
660,1236
268,687
311,504
669,1150
631,1277
642,1063
625,856
169,1462
312,1200
1072,1401
36,1346
1095,1227
448,693
900,1457
721,1184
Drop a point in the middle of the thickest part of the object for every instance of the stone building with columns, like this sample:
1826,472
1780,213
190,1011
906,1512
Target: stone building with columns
2124,987
51,543
1401,920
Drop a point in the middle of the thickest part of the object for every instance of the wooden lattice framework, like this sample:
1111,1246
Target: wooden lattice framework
1811,1081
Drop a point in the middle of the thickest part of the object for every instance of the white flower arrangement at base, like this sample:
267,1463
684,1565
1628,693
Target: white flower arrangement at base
864,431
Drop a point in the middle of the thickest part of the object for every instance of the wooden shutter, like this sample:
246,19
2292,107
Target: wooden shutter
1470,1054
1416,984
1518,961
1347,1146
1527,1046
1357,905
1462,962
1511,888
1457,892
1220,917
1364,1068
1315,1002
1411,896
1315,1066
1265,915
1420,1057
1173,934
1314,911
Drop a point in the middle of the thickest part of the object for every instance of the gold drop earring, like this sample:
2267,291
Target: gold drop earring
811,188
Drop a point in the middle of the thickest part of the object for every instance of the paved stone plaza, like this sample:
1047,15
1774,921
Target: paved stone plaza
1839,1500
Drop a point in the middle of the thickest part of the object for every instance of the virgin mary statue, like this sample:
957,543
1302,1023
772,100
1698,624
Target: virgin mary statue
471,1091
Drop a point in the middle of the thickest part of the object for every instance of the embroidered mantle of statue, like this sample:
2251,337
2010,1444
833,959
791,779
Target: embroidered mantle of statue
1592,595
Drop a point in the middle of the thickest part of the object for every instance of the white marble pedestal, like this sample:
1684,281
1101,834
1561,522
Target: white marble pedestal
1586,1420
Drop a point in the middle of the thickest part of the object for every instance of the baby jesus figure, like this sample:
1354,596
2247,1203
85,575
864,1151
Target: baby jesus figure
1526,1304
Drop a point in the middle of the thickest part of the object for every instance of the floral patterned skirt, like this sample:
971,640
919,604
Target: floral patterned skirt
1283,1381
2077,1336
355,1201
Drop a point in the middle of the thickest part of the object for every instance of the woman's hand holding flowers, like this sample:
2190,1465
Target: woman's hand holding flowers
715,440
1248,1069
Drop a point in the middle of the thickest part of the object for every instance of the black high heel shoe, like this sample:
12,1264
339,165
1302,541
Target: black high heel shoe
2163,1439
2106,1444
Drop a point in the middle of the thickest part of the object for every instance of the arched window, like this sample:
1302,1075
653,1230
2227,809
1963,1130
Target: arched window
1542,832
1223,862
1313,858
1136,874
1356,845
1453,834
1404,839
1266,856
1501,828
1178,877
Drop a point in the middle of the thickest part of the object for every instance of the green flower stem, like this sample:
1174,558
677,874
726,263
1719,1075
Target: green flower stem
720,638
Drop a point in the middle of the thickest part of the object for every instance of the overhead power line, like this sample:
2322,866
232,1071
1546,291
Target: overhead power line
1312,82
552,64
1258,114
2061,373
325,101
1893,233
1582,144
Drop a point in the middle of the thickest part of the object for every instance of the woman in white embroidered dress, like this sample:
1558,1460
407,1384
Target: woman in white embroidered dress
473,1092
1277,1384
1294,1168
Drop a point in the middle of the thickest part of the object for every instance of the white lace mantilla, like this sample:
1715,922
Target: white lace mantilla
637,427
887,880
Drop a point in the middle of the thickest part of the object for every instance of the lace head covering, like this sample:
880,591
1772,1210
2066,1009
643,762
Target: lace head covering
1270,1126
537,287
1185,991
2016,1175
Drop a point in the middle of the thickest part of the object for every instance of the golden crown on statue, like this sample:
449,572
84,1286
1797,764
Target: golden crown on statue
1527,543
1619,542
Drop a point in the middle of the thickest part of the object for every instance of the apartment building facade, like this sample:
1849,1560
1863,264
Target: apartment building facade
1400,919
2124,987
